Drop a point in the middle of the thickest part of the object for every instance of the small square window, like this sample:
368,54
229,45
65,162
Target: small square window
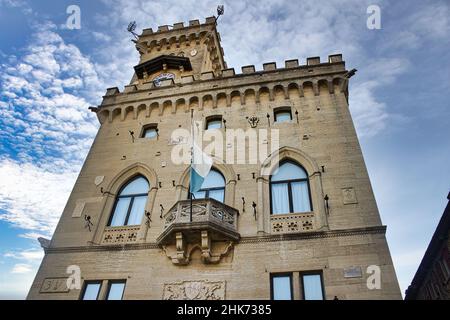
283,115
214,123
150,132
91,290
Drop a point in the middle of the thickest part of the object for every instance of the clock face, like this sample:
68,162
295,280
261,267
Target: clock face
163,76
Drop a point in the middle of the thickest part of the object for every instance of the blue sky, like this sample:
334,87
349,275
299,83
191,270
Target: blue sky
49,76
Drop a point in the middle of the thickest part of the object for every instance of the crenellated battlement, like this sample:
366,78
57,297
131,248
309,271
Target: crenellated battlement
177,26
291,82
198,42
312,67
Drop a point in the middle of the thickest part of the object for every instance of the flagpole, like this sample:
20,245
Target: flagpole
192,162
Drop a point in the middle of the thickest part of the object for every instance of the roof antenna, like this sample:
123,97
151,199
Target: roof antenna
131,27
220,11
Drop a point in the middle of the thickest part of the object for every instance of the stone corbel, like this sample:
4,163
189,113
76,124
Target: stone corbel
180,257
206,247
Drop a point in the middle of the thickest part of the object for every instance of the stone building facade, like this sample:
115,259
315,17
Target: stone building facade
432,279
236,247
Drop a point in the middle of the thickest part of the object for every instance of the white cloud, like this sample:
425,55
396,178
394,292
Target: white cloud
32,197
432,21
21,268
30,255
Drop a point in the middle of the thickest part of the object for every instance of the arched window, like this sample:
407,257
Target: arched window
289,189
213,187
130,203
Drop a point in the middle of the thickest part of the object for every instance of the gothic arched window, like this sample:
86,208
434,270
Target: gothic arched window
213,187
130,203
289,189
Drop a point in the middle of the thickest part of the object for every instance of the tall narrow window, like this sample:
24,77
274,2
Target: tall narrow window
289,189
130,203
312,286
213,187
281,286
115,290
91,290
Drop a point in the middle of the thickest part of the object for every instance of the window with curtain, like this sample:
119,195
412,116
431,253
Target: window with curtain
91,290
312,286
281,286
213,187
115,290
283,114
289,189
130,203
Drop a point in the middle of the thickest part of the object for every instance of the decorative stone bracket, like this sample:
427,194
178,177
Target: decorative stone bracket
183,250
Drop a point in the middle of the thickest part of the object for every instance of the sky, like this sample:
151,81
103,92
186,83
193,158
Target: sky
50,75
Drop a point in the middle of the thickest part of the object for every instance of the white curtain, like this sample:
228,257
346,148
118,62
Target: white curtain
300,197
120,213
137,211
280,198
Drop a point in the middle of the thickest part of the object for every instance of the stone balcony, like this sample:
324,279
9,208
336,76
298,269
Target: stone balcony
211,222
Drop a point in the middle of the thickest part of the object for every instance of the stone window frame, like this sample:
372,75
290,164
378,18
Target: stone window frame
282,109
315,184
182,187
309,273
149,126
86,283
110,195
289,182
296,278
216,117
105,286
282,274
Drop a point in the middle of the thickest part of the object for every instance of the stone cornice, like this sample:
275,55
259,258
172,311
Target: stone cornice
243,240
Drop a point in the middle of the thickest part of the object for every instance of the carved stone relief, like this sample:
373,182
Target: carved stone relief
194,290
54,285
349,196
98,180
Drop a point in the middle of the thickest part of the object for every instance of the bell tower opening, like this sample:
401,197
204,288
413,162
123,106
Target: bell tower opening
176,51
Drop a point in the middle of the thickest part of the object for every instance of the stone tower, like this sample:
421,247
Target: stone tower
299,223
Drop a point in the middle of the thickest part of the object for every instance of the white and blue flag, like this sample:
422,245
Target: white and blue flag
200,167
201,164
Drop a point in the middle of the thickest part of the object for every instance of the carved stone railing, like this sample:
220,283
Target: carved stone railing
208,223
292,223
203,210
119,235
